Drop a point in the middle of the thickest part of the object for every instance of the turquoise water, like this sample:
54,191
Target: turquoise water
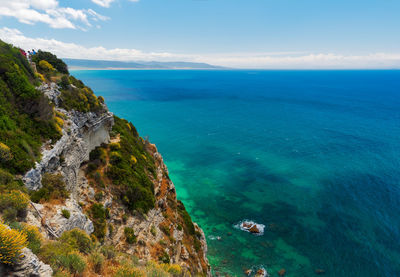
312,155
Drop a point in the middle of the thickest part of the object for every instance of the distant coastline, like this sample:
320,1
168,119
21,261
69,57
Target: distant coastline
82,64
146,68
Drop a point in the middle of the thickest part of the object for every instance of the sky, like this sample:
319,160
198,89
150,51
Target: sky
271,34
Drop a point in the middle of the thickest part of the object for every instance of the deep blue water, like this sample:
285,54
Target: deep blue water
313,155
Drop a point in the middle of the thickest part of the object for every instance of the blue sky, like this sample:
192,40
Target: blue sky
238,33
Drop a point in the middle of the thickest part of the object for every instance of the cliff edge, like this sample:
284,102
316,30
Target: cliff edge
92,197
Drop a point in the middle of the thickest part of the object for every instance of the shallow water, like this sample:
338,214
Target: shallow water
312,155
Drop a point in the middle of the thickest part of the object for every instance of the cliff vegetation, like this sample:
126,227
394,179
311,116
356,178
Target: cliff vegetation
117,215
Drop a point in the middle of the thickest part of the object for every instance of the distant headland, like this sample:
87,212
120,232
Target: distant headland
102,64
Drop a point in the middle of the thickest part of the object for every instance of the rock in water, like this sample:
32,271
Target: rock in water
261,272
248,272
251,227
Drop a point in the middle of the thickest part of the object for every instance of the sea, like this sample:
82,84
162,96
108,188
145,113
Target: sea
314,156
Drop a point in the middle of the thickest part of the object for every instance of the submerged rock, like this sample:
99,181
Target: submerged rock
282,272
319,271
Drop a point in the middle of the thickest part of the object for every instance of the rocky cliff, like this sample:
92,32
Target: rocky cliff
159,232
81,193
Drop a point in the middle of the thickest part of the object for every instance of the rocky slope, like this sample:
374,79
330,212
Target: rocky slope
159,233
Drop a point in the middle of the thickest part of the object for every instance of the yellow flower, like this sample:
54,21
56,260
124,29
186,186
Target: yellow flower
11,244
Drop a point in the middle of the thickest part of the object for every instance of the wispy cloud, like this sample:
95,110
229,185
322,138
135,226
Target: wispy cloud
49,12
107,3
267,60
103,3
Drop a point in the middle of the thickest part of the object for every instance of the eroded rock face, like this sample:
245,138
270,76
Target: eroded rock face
60,224
29,265
82,133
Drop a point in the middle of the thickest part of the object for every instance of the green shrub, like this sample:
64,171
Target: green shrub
197,244
189,226
52,59
60,255
97,260
101,99
129,271
130,235
108,251
124,218
165,229
53,187
115,158
98,216
153,230
65,213
64,83
98,196
73,262
77,83
78,240
5,153
133,185
5,178
12,204
9,215
115,146
80,99
164,257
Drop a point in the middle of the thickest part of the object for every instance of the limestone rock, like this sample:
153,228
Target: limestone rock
28,266
81,134
76,220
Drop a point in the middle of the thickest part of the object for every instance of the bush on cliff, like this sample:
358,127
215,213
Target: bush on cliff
45,66
53,187
11,244
134,186
33,235
80,99
78,240
26,116
97,214
51,59
130,235
13,204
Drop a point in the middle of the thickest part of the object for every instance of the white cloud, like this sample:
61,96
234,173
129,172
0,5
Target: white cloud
48,12
277,60
103,3
107,3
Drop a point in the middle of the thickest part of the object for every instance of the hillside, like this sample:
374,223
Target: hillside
81,193
81,63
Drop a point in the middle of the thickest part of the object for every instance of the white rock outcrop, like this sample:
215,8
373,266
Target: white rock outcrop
82,133
29,265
